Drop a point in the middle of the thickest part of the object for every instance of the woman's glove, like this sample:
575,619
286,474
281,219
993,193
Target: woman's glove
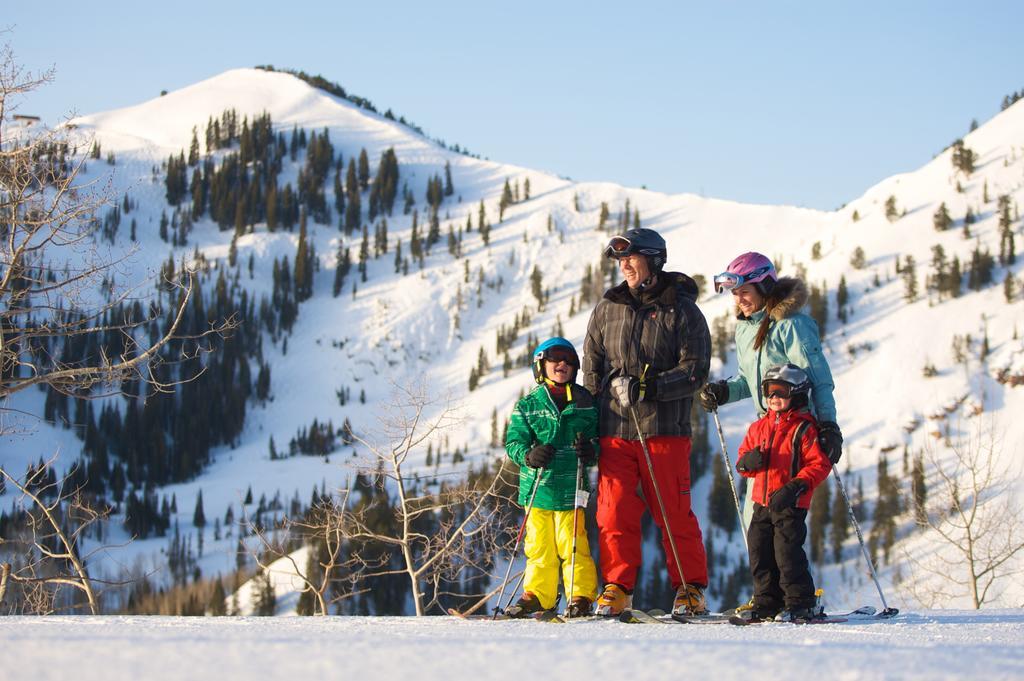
713,395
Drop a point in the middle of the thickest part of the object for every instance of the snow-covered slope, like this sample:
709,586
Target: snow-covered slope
398,330
937,645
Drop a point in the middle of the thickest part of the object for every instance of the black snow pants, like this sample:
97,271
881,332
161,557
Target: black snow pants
778,564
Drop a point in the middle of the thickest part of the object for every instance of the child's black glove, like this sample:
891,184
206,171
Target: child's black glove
540,456
751,461
585,450
786,496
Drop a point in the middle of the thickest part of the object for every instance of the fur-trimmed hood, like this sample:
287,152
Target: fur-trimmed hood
788,296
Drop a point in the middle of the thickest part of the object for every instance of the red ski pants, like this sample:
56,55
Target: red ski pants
621,468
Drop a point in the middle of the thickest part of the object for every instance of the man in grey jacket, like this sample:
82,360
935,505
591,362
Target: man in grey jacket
647,349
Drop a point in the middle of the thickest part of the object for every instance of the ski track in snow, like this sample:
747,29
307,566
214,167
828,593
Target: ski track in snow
933,645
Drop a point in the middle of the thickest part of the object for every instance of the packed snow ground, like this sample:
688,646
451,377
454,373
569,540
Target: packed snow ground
946,644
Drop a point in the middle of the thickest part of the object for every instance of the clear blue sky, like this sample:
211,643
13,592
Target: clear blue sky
769,102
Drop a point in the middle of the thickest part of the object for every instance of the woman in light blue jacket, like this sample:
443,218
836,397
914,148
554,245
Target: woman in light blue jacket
771,331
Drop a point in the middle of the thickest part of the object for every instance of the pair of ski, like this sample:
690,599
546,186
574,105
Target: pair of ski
542,616
866,612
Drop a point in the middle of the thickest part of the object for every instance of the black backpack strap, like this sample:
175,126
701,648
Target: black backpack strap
798,437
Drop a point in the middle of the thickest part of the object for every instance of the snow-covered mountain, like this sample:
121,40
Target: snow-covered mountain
430,324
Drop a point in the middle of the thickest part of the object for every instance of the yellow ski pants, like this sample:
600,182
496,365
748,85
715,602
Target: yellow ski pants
548,548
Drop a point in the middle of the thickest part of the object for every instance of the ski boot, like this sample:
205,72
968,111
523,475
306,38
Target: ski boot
528,605
757,613
579,607
690,601
798,614
804,613
613,600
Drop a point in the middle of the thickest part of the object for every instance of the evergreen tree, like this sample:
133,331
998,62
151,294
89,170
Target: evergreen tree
449,189
1007,246
842,298
353,211
963,158
840,527
721,505
265,604
941,219
939,281
364,253
505,201
892,214
858,260
909,274
537,285
364,170
919,490
217,606
193,150
199,516
818,519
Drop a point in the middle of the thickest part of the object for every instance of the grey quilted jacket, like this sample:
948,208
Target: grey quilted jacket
662,330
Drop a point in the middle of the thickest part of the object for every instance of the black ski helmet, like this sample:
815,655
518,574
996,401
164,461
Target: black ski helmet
644,241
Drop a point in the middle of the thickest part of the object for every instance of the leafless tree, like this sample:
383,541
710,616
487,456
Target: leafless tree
464,534
44,548
972,511
59,290
57,285
326,529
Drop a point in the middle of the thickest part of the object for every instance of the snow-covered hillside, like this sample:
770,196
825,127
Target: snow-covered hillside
430,324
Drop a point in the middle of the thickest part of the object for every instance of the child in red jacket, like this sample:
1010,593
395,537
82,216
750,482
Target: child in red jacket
782,456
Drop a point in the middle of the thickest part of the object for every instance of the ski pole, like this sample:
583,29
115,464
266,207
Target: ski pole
732,480
575,527
657,494
887,611
515,549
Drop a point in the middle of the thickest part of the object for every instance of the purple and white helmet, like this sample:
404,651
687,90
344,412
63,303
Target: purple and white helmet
749,268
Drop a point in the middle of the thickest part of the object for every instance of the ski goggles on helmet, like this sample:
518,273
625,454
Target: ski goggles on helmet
619,247
783,390
559,354
730,280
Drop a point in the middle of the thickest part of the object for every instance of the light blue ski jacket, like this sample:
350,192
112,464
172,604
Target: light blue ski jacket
792,337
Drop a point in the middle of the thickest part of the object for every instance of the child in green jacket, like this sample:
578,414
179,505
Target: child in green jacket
552,436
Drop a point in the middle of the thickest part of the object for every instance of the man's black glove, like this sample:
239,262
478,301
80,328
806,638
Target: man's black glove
786,496
752,461
540,456
585,450
713,395
630,390
831,440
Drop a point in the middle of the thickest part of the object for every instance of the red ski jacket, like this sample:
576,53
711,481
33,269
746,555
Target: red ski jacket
774,433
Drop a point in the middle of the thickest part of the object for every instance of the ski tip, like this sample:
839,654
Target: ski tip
888,612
